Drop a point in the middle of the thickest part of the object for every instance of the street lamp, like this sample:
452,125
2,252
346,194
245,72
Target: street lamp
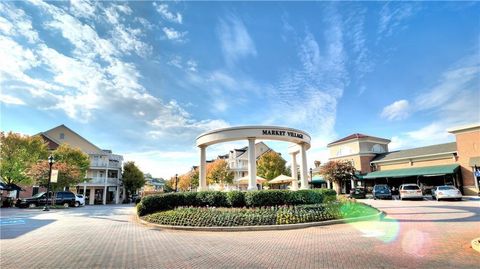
176,182
311,176
50,163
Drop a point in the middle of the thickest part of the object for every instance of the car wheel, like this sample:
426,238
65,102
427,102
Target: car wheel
32,205
66,205
77,204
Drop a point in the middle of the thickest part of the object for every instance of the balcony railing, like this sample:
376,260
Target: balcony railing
104,164
101,180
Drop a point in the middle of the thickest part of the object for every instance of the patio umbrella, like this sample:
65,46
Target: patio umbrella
244,180
281,179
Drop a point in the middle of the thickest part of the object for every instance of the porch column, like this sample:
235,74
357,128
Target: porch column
124,193
106,183
84,188
203,169
303,167
92,196
328,184
117,190
294,171
252,165
353,183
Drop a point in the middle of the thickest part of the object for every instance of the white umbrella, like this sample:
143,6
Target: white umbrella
281,179
245,179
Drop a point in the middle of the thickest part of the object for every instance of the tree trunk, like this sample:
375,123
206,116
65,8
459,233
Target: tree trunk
337,187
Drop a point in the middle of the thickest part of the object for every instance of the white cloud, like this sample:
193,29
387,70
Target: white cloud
14,22
83,8
7,99
393,16
235,40
398,110
173,34
432,132
162,9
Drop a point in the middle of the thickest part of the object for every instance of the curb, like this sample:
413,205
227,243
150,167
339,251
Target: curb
476,244
379,215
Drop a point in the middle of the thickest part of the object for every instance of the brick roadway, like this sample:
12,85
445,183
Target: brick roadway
416,234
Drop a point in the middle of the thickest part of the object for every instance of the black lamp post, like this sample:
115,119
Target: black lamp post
311,176
50,163
176,182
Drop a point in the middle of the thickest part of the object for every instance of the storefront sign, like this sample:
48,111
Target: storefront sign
282,133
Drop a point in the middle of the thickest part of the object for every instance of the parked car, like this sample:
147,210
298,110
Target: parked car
410,191
64,198
381,191
358,193
446,192
79,200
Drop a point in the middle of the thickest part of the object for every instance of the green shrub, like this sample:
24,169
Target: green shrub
236,199
168,201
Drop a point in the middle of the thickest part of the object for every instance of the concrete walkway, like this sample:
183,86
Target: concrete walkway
416,234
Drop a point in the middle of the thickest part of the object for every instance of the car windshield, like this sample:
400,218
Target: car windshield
381,188
411,187
446,188
38,195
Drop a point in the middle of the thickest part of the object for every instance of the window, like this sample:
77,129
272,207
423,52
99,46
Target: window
377,148
35,191
62,136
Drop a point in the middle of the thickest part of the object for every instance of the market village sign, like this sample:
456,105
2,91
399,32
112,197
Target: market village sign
300,139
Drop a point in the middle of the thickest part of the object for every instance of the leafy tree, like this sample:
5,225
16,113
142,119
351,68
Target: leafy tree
17,154
218,172
71,164
68,175
188,180
132,177
271,165
337,171
72,156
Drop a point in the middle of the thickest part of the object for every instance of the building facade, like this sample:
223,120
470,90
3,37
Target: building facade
237,159
102,183
456,163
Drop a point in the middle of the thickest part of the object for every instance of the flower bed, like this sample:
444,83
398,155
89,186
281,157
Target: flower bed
253,199
273,215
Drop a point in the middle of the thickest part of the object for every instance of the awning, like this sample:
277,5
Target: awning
244,180
318,180
281,179
474,161
416,171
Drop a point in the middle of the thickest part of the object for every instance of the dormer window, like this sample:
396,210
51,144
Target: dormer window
377,149
62,136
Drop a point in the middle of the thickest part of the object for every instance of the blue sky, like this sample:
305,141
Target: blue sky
145,78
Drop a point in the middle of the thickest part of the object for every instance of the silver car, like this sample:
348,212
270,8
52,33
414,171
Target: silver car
446,192
410,191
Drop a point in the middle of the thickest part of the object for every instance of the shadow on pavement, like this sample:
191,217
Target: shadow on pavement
14,227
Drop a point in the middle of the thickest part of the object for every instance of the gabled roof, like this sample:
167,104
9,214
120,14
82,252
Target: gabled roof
356,136
63,126
417,152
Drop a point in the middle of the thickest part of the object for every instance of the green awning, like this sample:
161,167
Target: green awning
416,171
318,180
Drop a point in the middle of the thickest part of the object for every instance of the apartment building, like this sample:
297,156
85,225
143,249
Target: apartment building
102,183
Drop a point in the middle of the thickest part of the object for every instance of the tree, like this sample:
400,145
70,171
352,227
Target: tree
218,172
71,164
337,172
188,181
271,165
132,177
17,154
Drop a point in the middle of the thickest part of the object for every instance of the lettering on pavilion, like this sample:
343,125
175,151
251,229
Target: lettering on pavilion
282,133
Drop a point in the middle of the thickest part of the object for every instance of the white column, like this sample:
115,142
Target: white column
328,184
203,169
353,183
84,188
117,190
294,171
303,167
252,165
92,196
105,187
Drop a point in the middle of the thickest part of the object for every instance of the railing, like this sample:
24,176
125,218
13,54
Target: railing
101,180
104,164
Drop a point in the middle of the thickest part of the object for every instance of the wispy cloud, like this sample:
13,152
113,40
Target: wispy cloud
7,99
162,9
235,40
398,110
393,16
173,34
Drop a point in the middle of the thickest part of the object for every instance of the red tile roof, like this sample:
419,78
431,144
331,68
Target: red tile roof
354,136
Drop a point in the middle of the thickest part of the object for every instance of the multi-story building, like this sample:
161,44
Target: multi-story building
238,159
102,183
456,163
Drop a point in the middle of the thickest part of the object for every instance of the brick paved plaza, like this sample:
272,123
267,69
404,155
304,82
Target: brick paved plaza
416,234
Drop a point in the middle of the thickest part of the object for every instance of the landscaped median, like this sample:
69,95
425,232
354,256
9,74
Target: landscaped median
250,210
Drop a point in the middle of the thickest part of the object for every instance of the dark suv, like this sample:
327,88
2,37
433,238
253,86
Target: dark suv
64,198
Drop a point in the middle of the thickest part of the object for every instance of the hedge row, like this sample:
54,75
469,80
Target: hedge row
218,217
168,201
